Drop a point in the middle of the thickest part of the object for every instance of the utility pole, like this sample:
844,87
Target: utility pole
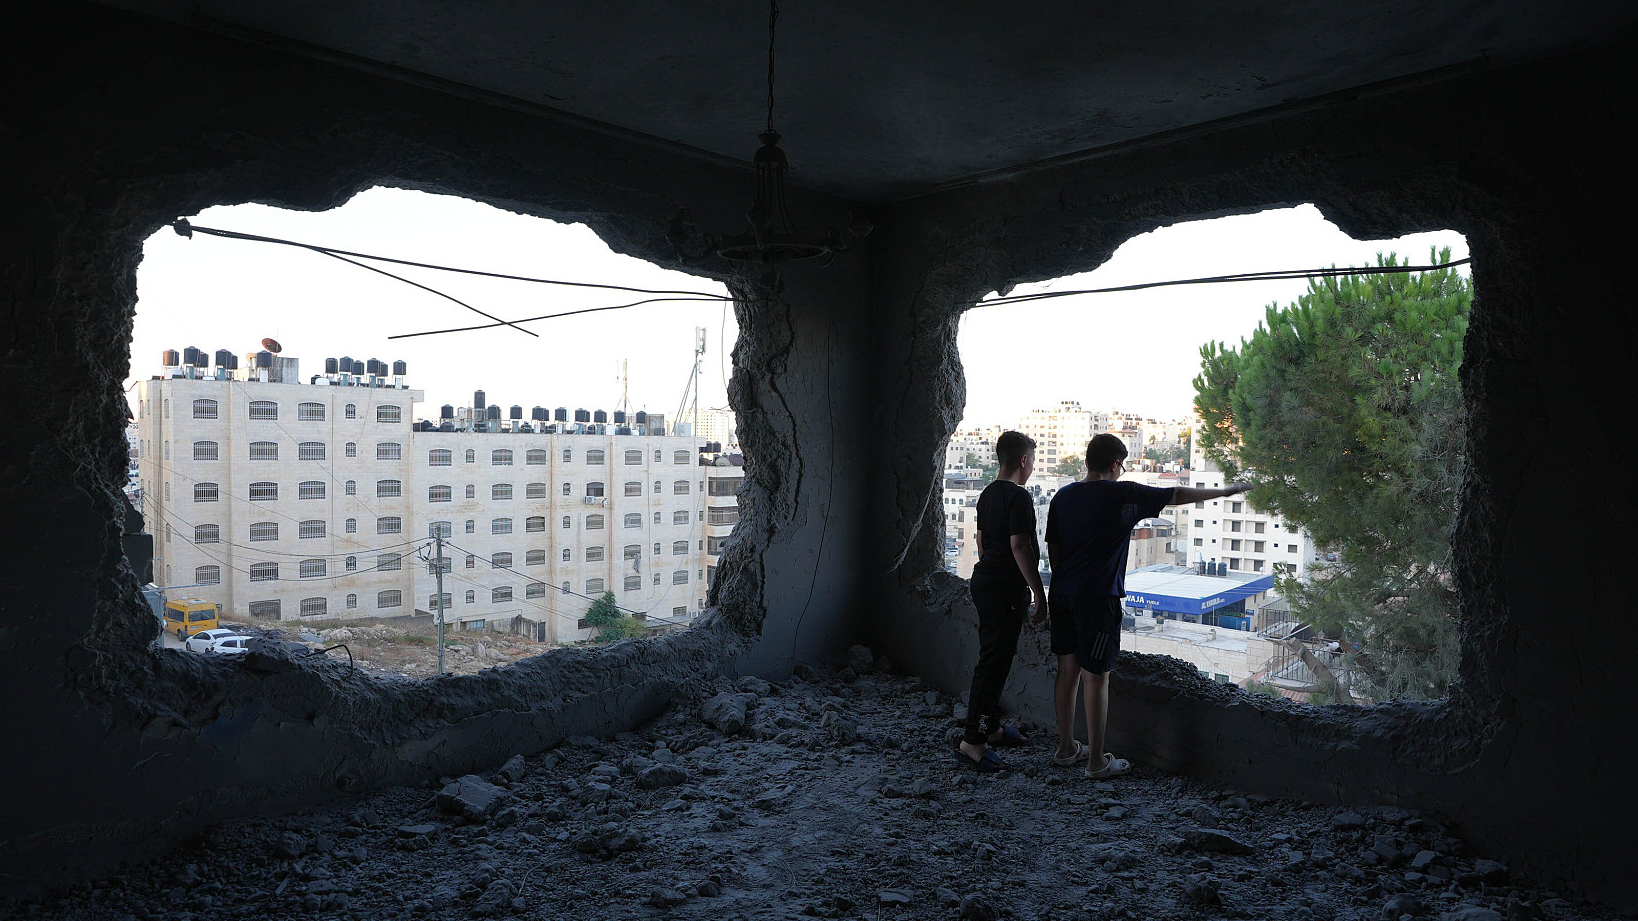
438,572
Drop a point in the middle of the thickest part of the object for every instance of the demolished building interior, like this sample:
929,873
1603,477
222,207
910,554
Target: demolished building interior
987,146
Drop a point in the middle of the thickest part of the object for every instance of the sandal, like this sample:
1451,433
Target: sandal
989,764
1010,738
1081,754
1114,768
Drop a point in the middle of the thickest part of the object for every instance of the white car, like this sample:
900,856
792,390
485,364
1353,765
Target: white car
234,644
201,641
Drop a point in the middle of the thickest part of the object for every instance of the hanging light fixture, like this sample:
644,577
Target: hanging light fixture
772,238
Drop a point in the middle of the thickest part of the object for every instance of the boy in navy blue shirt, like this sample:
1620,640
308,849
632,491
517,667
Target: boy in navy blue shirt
1089,526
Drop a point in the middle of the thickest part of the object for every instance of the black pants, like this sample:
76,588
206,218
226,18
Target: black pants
1001,612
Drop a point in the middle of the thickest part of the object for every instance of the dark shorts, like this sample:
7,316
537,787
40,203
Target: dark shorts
1088,628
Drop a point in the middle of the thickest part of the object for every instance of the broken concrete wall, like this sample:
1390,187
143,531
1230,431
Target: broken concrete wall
117,124
1527,754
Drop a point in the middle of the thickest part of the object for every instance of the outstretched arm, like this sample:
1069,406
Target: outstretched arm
1185,494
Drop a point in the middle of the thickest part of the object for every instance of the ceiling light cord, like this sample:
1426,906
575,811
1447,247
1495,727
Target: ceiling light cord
773,20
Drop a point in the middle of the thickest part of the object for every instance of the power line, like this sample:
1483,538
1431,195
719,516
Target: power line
567,313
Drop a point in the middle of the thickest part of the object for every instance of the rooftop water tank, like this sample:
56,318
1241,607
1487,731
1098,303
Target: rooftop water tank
516,412
642,417
400,368
170,358
581,415
494,412
478,399
223,358
539,414
446,411
190,356
358,367
619,417
346,365
331,366
600,416
264,359
561,414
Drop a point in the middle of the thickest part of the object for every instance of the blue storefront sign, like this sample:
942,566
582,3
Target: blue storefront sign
1222,596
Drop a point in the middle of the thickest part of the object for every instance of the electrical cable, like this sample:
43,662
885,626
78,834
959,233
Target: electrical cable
567,313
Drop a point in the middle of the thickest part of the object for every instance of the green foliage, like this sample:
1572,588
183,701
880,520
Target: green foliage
623,628
1345,412
1074,466
1257,687
603,612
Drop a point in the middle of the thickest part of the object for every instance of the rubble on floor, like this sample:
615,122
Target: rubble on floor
825,796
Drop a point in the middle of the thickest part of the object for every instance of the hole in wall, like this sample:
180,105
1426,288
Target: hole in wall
1336,398
579,481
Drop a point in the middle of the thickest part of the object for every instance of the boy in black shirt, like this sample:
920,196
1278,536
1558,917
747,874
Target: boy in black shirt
1005,579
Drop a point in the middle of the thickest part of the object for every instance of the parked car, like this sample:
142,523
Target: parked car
234,644
201,641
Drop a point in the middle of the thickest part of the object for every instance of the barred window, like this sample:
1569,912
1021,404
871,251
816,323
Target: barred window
501,561
441,564
535,590
568,455
351,411
634,520
567,554
310,489
440,494
634,457
389,450
391,525
634,488
594,554
352,602
352,526
498,595
264,572
264,409
535,456
534,523
441,529
204,409
352,449
432,601
631,551
350,487
264,530
310,529
568,490
500,457
389,562
535,491
204,492
713,545
471,491
391,598
352,564
387,489
313,569
565,588
471,456
534,558
500,491
388,414
681,457
633,583
440,457
207,534
471,561
594,457
264,450
313,607
471,526
310,412
679,488
500,526
680,577
471,596
679,547
594,490
656,487
679,517
208,575
723,516
594,522
594,586
567,522
310,450
264,609
204,450
658,455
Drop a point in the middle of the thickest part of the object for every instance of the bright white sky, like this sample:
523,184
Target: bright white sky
1137,352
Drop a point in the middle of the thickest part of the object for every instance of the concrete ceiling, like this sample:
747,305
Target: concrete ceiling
880,100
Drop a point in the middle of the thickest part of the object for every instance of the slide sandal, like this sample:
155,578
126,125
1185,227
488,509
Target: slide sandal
1115,768
989,764
1081,754
1010,738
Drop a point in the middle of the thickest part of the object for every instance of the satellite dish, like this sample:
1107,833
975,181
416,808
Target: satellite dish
272,345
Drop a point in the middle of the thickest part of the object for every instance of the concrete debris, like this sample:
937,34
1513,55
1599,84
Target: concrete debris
861,660
726,712
790,817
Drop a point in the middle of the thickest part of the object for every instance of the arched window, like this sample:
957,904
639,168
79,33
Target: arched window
264,409
440,457
264,609
679,488
634,520
471,561
443,529
205,492
534,523
535,491
567,555
594,457
352,564
350,487
594,522
471,456
656,487
388,489
204,450
389,562
568,455
310,489
567,490
388,414
681,457
432,601
594,586
352,526
352,449
204,409
352,602
389,450
310,412
207,534
313,569
594,490
264,572
501,457
310,529
500,491
501,561
567,522
500,526
535,590
351,411
565,588
634,457
391,598
633,583
313,607
679,547
471,526
633,488
264,450
471,491
594,554
679,517
310,450
534,558
471,596
680,577
264,530
499,595
440,494
390,525
208,575
535,456
631,551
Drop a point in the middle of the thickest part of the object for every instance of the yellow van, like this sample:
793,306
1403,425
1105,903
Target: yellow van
187,616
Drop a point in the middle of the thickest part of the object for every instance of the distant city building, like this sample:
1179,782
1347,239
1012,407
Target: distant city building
1060,432
1231,531
318,501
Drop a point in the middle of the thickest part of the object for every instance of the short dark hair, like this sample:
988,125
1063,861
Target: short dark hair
1011,447
1104,450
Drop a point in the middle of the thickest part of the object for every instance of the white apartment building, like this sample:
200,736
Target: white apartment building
319,501
714,425
1231,531
1060,432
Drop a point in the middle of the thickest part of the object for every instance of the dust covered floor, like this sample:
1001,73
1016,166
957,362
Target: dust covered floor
818,797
